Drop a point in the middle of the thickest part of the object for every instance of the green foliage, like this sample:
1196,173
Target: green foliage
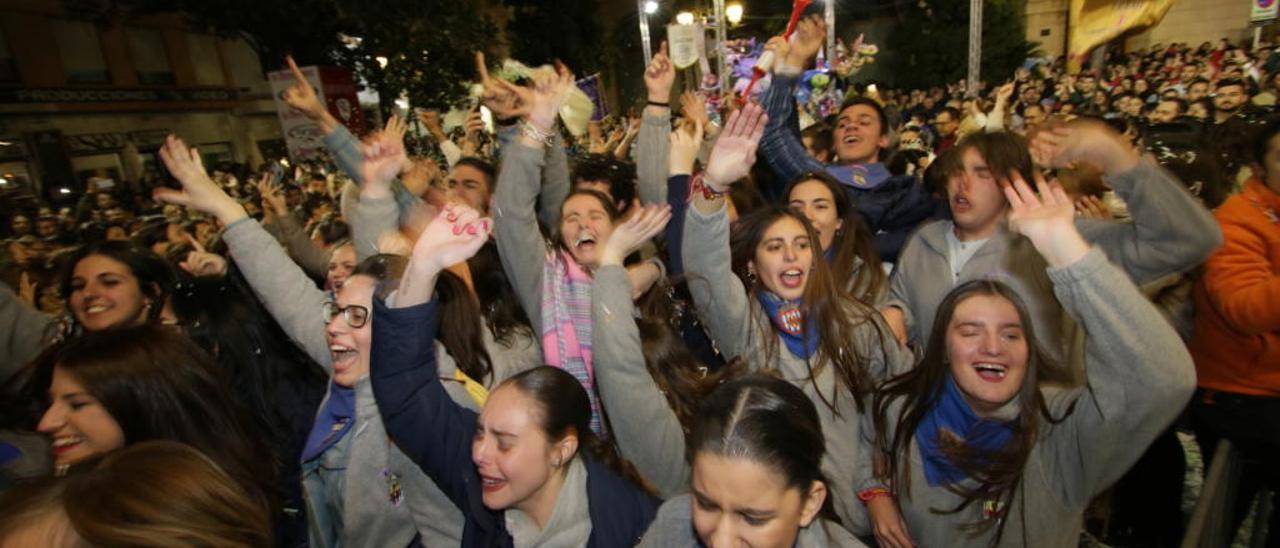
931,43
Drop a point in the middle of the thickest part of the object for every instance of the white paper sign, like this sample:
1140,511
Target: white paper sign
303,137
1263,10
683,44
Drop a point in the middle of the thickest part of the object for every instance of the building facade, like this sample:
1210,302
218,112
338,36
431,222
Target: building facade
81,99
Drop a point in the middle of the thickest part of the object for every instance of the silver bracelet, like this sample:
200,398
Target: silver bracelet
547,138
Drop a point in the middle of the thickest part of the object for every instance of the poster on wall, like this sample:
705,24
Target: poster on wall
1263,10
336,88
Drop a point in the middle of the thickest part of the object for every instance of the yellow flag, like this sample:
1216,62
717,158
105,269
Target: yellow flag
1095,22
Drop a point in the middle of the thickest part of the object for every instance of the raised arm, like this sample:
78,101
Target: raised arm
1139,374
289,295
655,124
376,211
647,431
520,244
683,150
1171,232
313,259
433,430
719,295
781,145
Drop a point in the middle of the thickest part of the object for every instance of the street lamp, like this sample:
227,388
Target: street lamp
733,13
684,18
644,9
650,7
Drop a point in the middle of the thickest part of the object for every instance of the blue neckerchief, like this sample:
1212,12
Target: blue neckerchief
9,453
952,412
830,253
786,317
332,422
863,176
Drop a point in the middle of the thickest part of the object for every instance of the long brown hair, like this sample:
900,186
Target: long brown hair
159,385
852,242
151,494
680,376
998,473
823,300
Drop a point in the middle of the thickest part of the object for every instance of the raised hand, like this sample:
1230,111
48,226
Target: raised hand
198,191
693,107
421,175
1005,92
808,38
431,121
659,76
735,151
685,142
499,95
1091,207
200,263
454,235
301,95
1083,141
1047,220
273,198
27,289
643,225
384,159
549,93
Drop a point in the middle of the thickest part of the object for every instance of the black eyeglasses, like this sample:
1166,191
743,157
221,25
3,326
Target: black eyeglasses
355,315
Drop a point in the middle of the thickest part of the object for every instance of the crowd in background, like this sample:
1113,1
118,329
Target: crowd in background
515,335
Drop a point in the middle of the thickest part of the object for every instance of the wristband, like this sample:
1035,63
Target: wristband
868,495
658,104
698,184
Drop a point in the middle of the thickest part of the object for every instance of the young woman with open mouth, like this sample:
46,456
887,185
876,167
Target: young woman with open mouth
359,487
979,450
785,310
527,470
843,238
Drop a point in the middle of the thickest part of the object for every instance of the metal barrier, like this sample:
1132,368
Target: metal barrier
1210,525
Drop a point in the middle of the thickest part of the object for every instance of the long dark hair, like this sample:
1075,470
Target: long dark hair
837,315
679,374
766,420
998,474
499,304
155,276
852,242
565,409
158,385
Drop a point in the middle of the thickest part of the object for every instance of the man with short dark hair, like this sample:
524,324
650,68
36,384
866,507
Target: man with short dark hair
892,206
947,124
1168,110
1228,99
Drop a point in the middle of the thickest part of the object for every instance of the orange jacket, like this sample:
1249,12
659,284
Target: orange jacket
1236,343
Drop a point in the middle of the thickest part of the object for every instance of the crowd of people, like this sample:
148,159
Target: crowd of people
932,319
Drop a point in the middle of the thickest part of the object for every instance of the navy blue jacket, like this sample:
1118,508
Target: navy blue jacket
436,433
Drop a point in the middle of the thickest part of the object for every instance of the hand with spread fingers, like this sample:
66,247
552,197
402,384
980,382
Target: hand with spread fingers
735,151
629,236
1047,219
1092,142
198,191
384,159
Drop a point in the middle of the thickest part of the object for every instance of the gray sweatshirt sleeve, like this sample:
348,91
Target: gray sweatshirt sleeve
292,299
718,294
520,244
346,150
313,259
24,337
555,185
1171,232
1139,377
369,219
646,429
899,296
653,147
